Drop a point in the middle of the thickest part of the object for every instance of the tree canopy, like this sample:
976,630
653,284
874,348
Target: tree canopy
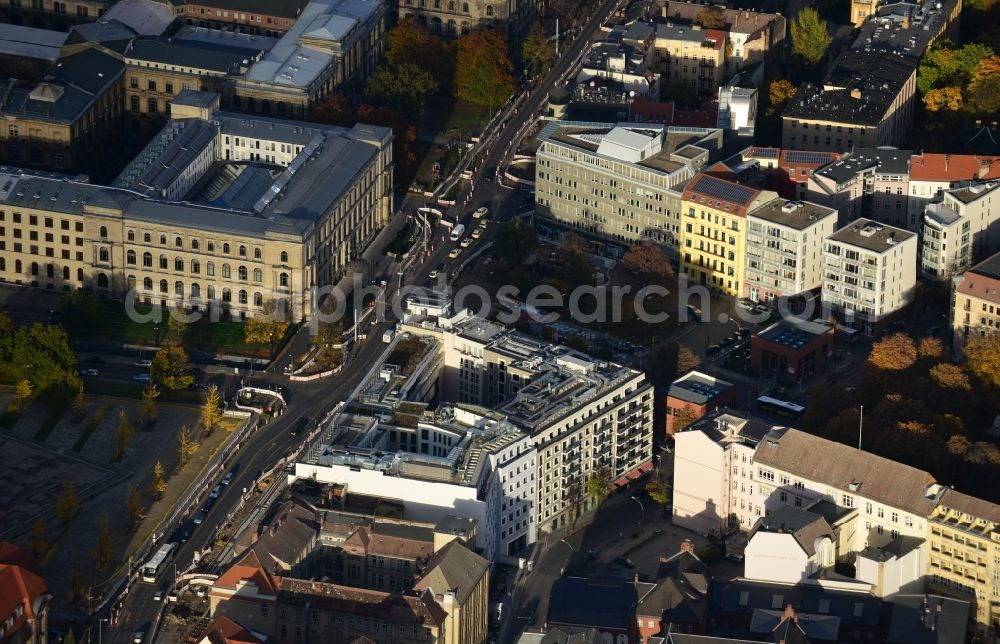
168,370
893,353
269,325
810,38
409,42
404,87
537,51
39,354
516,240
484,74
780,91
711,18
647,260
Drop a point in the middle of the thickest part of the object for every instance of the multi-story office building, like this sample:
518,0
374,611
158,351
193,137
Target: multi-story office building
865,101
259,229
714,231
975,303
870,183
869,274
259,18
619,184
695,394
539,422
451,18
751,36
932,174
962,228
784,249
791,467
964,555
690,54
905,28
714,473
59,15
69,121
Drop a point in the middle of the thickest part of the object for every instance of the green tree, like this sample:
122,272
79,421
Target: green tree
168,368
133,508
404,87
810,38
42,355
984,89
267,326
515,241
101,552
947,65
124,435
158,486
67,506
186,445
659,491
599,484
484,74
177,325
537,51
211,410
39,540
23,393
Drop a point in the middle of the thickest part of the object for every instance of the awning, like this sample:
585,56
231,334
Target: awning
645,467
622,482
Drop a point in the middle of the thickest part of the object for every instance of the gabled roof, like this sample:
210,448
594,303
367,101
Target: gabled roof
453,568
600,603
225,631
399,609
804,526
953,167
667,600
982,281
249,568
19,585
846,469
721,194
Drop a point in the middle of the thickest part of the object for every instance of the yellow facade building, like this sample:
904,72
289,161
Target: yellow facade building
714,231
964,554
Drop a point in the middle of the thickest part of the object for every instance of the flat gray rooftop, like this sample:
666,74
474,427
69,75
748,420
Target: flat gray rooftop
871,235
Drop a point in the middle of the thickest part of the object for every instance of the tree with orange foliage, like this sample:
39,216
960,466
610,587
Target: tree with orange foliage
780,92
893,353
484,74
943,99
410,42
950,376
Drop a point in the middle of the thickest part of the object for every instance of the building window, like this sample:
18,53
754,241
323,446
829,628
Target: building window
151,106
210,269
130,258
226,271
489,10
284,257
151,85
258,275
133,103
241,273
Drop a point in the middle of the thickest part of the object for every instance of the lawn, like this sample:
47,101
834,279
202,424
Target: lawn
116,327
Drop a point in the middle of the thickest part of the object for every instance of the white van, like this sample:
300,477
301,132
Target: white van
457,231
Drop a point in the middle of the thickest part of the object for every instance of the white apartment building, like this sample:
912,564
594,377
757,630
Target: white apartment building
789,545
619,183
713,473
784,249
795,468
959,230
537,423
932,174
869,273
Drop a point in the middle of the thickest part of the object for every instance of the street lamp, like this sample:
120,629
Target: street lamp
642,508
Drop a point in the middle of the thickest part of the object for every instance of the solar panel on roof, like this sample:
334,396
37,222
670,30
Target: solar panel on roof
765,153
798,156
718,189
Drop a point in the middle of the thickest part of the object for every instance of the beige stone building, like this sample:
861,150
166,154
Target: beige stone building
310,199
452,18
964,556
459,580
69,122
255,17
692,55
866,101
975,303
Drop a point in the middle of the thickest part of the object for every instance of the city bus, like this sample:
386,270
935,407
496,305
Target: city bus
780,407
157,561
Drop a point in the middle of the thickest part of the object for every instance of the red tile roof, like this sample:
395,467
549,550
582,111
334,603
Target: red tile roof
717,37
248,568
953,167
651,112
696,118
225,631
19,585
720,194
400,609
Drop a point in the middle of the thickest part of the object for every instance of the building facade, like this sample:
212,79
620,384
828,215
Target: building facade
784,252
58,15
792,350
695,394
452,18
714,231
869,274
259,18
962,228
975,303
692,55
619,184
865,101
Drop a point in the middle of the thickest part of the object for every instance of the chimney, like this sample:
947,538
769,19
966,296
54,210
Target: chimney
687,546
947,159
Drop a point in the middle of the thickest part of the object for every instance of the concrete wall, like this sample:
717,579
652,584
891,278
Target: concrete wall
698,482
773,556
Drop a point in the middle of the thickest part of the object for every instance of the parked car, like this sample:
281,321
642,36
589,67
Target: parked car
144,363
455,252
481,212
465,243
138,637
158,596
199,518
216,491
172,597
477,233
207,505
90,372
735,557
433,274
624,561
228,478
141,377
746,305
